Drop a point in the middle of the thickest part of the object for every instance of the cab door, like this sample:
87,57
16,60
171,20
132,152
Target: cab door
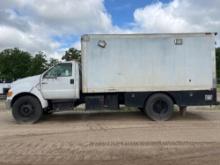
59,82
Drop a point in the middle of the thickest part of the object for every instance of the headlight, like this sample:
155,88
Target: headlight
10,93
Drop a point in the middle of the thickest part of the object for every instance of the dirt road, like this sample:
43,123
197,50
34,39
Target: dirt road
112,138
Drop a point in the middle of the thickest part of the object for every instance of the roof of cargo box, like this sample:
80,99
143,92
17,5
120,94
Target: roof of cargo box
153,34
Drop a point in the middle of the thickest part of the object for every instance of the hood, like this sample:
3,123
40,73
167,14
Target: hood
33,80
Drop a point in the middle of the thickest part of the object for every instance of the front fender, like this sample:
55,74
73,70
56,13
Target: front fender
37,93
33,91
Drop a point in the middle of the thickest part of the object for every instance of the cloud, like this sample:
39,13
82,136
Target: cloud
32,24
160,18
11,37
77,45
178,16
68,16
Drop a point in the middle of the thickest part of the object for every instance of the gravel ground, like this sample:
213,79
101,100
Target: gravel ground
112,138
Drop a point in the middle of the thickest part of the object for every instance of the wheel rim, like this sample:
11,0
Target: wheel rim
160,107
26,110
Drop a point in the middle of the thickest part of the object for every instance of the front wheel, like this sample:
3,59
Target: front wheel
46,112
27,109
141,109
159,107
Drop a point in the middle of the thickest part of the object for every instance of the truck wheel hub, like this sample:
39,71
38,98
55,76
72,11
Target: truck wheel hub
26,110
160,107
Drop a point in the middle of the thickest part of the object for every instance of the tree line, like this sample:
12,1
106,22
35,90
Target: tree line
16,63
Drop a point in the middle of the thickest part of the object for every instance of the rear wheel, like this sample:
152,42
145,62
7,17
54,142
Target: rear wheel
27,109
159,107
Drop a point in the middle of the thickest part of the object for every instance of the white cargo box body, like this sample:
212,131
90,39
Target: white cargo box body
148,62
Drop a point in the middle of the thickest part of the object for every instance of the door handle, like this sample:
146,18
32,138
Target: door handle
71,81
44,83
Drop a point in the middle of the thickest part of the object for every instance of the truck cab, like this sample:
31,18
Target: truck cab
60,83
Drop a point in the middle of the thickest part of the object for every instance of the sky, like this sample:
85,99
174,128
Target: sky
53,26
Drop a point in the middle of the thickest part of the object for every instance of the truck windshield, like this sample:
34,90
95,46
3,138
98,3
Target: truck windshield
60,70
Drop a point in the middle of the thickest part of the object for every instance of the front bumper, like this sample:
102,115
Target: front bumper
8,104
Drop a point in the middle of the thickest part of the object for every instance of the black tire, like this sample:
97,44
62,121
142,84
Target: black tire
27,109
46,112
159,107
141,109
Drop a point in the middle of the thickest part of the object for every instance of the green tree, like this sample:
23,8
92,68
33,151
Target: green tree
38,64
72,54
52,62
14,64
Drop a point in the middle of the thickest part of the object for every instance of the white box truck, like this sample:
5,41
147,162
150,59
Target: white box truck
152,72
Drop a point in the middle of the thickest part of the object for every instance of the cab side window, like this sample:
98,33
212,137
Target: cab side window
60,70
